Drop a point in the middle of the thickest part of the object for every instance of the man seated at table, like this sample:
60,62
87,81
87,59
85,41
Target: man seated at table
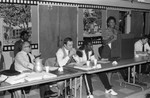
142,48
86,53
66,55
25,61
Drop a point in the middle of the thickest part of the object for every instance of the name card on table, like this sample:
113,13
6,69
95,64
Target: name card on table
3,77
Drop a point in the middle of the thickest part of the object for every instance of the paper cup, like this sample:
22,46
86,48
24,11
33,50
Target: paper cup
47,69
99,66
95,62
61,69
88,63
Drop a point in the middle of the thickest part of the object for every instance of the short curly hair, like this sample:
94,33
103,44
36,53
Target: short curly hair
23,33
111,18
67,39
147,95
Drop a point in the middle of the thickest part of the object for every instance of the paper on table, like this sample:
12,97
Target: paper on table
38,76
16,79
84,67
53,68
103,61
3,77
49,75
33,76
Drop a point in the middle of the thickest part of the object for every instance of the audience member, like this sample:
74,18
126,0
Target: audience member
86,53
18,44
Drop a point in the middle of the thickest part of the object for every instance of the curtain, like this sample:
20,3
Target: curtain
137,23
56,23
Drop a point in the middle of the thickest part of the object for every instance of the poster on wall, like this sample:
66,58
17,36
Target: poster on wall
92,22
14,18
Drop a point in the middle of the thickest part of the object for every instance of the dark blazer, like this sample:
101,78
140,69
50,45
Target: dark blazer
18,46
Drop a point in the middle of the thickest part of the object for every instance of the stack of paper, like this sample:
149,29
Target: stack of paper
34,76
27,76
38,76
3,77
16,79
48,75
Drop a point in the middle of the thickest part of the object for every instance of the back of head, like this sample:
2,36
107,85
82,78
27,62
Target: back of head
147,95
87,43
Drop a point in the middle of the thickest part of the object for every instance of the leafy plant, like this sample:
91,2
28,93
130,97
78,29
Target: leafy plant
92,17
16,15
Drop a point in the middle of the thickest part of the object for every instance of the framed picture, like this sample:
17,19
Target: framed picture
92,21
14,18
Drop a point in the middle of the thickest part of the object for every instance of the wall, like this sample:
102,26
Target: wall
119,3
34,24
113,3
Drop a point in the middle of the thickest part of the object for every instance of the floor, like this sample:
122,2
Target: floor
124,91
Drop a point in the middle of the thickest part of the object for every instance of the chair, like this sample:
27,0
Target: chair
10,72
52,63
100,50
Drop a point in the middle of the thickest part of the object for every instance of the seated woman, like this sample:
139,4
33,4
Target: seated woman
2,65
86,53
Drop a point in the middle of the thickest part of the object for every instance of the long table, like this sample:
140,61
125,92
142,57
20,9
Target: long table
121,64
66,74
71,72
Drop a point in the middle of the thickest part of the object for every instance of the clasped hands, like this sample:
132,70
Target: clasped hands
72,52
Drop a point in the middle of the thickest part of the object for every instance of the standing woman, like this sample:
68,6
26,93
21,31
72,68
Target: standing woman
109,36
85,54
